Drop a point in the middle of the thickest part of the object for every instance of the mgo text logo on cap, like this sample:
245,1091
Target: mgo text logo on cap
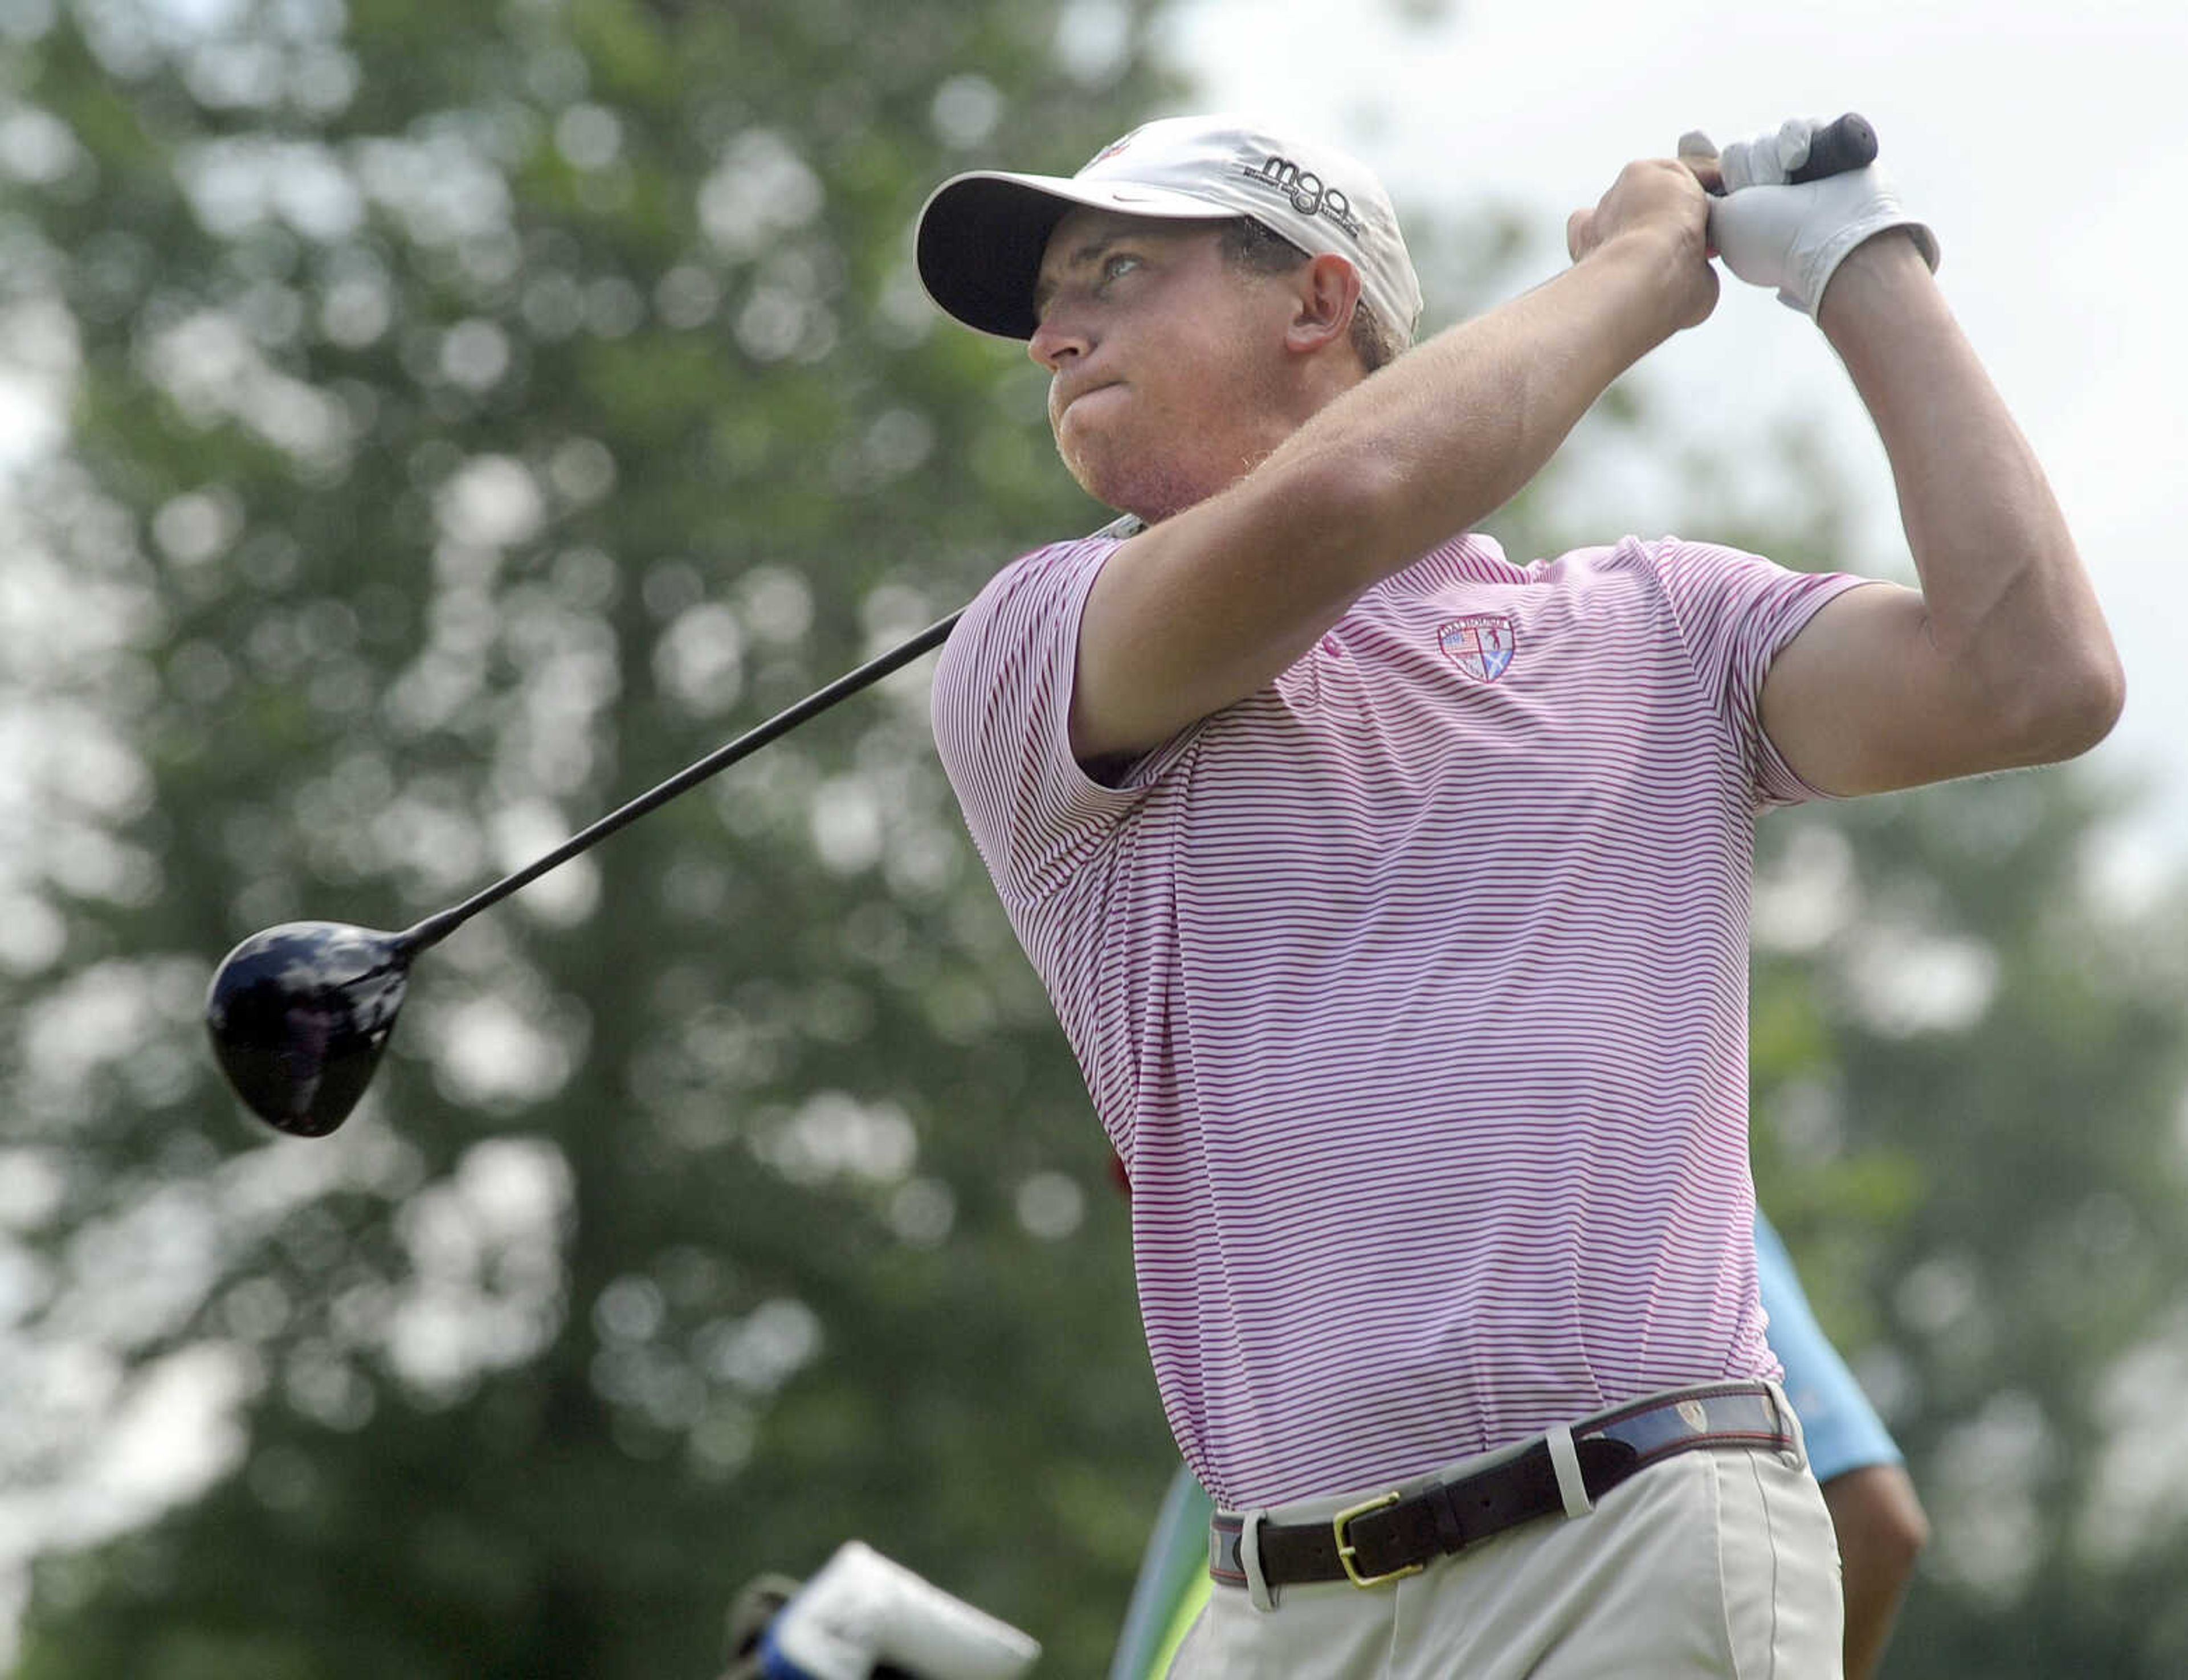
981,234
1306,192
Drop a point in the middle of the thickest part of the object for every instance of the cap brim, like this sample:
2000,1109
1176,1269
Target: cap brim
982,236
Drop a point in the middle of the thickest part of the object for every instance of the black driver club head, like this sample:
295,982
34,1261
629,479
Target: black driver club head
299,1015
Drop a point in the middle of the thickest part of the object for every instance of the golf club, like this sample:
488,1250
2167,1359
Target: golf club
300,1013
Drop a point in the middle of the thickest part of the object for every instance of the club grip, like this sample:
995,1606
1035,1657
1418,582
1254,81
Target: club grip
1838,147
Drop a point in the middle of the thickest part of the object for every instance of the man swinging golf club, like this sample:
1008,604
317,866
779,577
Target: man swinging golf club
1393,895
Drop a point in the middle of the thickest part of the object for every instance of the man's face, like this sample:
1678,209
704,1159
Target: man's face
1164,359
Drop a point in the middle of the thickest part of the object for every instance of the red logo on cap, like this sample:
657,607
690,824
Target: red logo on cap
1110,151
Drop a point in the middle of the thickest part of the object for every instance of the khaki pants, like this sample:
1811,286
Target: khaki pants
1716,1561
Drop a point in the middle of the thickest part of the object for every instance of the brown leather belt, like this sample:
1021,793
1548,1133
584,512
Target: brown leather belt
1400,1533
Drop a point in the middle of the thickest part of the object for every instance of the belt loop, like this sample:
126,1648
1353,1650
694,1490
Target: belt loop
1572,1487
1258,1593
1790,1420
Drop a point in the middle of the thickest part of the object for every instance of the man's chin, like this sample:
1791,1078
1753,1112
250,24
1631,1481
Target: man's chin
1092,471
1110,489
1130,481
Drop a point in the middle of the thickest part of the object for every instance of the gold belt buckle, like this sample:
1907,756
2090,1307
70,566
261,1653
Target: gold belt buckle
1346,1552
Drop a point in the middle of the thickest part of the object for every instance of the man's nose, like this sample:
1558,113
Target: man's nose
1057,340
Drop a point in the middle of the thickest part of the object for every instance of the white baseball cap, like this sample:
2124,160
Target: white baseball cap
981,235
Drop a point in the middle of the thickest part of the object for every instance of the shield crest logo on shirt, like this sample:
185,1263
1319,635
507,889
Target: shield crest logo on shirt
1482,643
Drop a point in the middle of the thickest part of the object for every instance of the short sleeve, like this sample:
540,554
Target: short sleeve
1002,722
1736,612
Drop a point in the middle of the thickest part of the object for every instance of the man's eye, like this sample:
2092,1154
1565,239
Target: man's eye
1112,266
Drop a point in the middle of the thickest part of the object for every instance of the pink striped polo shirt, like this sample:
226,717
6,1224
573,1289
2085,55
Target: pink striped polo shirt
1412,991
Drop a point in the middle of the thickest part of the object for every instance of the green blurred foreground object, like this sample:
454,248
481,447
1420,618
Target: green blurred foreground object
1172,1586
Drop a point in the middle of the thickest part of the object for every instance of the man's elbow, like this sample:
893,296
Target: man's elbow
2070,706
2104,698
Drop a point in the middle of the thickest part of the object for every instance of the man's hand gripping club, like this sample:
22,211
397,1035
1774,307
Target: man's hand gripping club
1654,205
1781,223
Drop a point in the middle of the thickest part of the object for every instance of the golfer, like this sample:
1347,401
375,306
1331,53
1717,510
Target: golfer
1393,895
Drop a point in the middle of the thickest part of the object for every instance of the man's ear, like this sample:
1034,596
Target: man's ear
1327,290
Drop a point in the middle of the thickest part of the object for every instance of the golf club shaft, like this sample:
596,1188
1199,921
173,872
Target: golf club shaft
435,928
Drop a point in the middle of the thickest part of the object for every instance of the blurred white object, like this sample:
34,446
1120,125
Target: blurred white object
862,1610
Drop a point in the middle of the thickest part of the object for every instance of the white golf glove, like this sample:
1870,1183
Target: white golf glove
1773,232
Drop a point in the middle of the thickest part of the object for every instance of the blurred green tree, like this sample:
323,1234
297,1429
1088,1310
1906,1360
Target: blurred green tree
1971,1058
479,412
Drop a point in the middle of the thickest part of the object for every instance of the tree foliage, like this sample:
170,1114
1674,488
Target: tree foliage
480,412
1970,1067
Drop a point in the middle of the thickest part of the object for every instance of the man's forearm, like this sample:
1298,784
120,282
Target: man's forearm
2011,607
1452,430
